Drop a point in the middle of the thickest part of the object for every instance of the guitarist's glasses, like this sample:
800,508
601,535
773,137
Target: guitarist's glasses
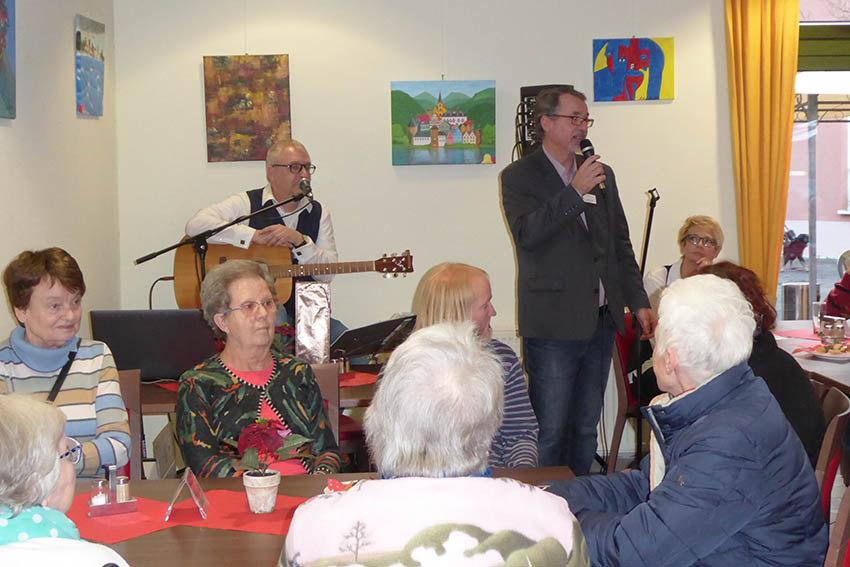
297,167
251,307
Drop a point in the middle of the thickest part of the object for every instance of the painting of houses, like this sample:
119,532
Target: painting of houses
89,38
247,105
443,122
7,59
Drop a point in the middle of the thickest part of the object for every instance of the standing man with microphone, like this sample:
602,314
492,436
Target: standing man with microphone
576,273
304,225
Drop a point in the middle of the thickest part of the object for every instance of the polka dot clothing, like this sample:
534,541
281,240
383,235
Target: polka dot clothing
35,522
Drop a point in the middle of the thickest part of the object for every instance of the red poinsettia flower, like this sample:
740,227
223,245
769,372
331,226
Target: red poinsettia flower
285,330
264,435
265,442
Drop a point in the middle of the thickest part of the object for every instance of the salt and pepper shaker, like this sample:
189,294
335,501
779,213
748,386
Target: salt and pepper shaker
111,495
122,489
833,330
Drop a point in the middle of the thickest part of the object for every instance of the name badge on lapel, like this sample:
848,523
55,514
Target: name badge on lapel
589,198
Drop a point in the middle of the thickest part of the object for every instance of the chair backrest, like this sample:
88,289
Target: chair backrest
836,414
839,535
625,398
327,376
623,347
162,343
130,381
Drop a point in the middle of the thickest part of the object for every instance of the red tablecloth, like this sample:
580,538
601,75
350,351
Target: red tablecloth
112,529
227,510
356,379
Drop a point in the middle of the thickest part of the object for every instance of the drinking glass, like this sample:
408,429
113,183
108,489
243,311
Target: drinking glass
816,313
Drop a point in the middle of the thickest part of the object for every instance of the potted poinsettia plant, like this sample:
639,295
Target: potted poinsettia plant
261,444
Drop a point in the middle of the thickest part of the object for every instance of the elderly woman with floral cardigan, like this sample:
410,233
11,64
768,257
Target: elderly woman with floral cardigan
248,380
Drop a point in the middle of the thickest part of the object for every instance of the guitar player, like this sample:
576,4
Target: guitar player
303,226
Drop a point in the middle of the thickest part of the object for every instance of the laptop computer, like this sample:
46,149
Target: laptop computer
162,343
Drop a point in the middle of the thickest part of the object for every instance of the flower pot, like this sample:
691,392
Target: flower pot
261,490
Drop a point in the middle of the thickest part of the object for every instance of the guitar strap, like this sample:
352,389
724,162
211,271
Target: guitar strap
60,379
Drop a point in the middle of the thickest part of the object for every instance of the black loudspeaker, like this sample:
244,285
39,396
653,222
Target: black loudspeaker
526,136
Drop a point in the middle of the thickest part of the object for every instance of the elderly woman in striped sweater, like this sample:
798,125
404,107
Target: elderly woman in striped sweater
451,292
44,357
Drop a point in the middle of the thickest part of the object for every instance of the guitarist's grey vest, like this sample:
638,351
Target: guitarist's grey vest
308,224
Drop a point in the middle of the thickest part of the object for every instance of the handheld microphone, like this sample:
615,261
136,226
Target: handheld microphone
587,150
305,187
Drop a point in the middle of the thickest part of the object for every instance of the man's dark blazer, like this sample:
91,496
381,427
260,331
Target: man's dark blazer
559,261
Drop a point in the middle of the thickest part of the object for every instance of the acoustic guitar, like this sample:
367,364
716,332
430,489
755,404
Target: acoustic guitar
279,260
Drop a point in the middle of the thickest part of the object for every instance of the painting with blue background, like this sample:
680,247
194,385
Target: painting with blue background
632,69
89,39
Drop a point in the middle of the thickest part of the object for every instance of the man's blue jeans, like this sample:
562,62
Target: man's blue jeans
566,383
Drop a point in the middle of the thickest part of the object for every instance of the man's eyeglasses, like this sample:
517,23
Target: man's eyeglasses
576,120
74,451
703,241
297,167
250,308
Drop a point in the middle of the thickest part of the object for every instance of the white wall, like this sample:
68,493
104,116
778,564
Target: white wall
343,56
58,180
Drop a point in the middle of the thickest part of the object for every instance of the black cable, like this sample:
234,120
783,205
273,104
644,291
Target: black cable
150,292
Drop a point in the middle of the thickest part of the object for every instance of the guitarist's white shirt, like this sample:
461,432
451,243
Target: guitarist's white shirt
322,251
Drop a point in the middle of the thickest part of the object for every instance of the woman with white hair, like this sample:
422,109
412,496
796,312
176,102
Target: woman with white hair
429,430
451,293
727,481
37,488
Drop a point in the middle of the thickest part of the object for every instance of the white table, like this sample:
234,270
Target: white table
833,373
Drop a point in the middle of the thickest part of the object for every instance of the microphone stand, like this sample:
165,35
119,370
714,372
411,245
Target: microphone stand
638,347
199,241
653,198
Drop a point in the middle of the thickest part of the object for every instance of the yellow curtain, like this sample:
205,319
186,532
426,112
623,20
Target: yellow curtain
761,53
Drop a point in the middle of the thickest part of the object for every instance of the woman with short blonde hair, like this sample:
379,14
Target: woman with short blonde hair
700,241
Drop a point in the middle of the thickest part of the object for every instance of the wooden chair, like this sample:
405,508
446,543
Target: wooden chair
327,376
627,404
347,432
836,413
130,382
836,553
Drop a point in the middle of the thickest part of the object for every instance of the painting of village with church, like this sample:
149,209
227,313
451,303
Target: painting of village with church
443,122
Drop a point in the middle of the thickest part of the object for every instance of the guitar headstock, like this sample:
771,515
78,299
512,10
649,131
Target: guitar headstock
395,264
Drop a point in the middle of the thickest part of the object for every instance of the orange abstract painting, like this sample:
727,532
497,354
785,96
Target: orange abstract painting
247,105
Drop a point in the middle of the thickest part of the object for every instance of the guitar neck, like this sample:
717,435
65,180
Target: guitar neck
296,270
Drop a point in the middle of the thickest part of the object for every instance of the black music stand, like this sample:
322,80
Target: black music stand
373,339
